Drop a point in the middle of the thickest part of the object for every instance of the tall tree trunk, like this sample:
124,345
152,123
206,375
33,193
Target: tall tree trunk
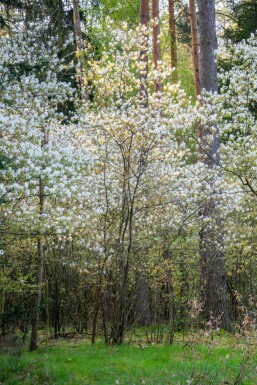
213,272
156,40
47,312
142,306
35,320
144,12
100,290
208,44
144,21
169,295
172,34
40,262
98,301
79,44
195,46
2,306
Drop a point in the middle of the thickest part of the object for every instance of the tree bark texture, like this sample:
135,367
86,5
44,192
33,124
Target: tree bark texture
142,307
40,270
144,21
208,44
172,34
79,44
156,40
195,46
169,309
40,261
213,275
144,12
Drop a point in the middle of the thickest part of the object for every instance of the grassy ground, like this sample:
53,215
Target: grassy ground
222,361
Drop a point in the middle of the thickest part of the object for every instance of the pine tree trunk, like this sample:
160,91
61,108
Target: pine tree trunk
213,275
79,44
144,12
208,45
172,34
144,21
156,40
195,46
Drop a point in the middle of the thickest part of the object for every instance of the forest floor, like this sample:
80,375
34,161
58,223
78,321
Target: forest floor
198,360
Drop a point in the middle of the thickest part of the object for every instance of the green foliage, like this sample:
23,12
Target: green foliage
244,13
125,10
3,162
182,23
185,69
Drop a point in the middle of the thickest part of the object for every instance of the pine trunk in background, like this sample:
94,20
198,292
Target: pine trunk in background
213,275
195,46
144,12
144,21
173,39
156,40
79,44
207,44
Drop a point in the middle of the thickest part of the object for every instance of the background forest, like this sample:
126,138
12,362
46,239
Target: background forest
128,168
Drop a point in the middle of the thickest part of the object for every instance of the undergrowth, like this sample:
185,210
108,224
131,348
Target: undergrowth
201,359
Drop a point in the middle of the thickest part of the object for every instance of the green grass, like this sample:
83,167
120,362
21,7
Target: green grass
82,364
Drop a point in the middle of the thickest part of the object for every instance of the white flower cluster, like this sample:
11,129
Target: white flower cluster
39,150
121,169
